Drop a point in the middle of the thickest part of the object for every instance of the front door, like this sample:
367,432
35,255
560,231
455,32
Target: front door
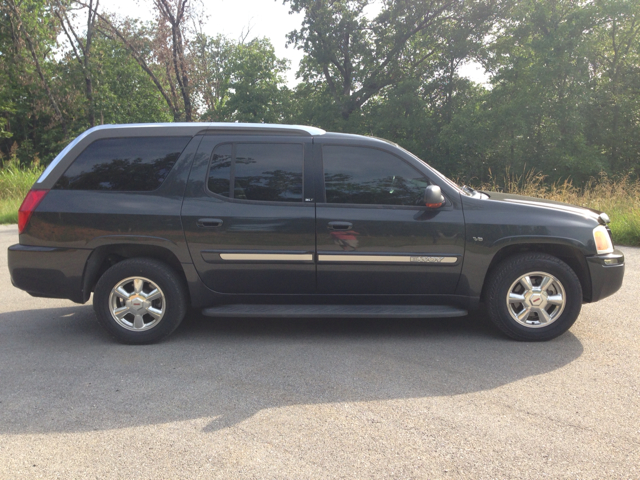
375,236
249,215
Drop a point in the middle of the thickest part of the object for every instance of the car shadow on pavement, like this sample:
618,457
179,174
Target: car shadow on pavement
60,372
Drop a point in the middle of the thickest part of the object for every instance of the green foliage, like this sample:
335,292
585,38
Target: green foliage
29,114
563,94
15,181
626,229
212,74
4,109
9,210
540,88
256,84
123,93
551,104
241,82
354,58
614,54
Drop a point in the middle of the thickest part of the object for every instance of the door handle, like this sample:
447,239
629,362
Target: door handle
340,226
209,222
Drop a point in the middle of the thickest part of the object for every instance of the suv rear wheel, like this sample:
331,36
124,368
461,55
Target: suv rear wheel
534,297
140,300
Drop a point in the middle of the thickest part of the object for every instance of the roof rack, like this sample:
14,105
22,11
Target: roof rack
260,128
215,127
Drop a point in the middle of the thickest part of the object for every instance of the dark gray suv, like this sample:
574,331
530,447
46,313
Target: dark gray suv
277,220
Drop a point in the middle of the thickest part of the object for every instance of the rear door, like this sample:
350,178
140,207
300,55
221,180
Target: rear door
249,214
374,234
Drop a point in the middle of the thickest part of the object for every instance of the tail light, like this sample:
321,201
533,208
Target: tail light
29,204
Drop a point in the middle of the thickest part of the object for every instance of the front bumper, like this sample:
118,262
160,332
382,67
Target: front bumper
48,272
607,272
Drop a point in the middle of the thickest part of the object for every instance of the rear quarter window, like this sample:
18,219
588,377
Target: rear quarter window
132,164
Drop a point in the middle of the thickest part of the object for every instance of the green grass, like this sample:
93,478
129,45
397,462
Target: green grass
15,182
9,210
625,225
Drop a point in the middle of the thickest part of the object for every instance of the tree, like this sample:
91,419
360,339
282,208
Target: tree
139,40
256,84
355,58
175,13
81,46
124,93
212,57
31,29
239,81
536,113
614,62
34,105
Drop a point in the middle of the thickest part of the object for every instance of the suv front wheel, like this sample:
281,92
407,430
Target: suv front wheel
534,297
140,300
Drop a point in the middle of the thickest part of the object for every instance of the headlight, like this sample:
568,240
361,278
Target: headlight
602,239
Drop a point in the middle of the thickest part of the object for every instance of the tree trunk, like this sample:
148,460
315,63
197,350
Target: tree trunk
87,66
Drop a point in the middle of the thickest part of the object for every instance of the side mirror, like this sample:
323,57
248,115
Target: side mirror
433,197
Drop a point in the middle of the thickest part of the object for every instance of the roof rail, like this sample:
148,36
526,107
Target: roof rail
260,128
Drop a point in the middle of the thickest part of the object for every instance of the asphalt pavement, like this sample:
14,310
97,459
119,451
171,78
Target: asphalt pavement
317,398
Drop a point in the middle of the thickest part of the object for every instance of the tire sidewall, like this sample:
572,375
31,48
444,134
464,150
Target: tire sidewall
159,273
509,271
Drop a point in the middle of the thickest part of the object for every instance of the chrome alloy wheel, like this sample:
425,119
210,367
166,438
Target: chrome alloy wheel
536,299
137,304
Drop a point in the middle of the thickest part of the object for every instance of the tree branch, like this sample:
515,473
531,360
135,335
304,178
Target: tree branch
141,62
73,45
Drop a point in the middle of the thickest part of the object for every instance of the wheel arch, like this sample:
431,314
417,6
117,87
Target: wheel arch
104,257
570,255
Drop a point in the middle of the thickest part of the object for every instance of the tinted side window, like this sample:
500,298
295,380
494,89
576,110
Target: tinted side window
370,176
131,164
257,171
220,170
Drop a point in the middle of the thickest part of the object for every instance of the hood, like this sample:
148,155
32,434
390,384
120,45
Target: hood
597,215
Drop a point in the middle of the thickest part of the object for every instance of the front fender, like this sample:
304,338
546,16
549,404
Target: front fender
493,226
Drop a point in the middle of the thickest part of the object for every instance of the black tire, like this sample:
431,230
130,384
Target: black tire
505,280
143,327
